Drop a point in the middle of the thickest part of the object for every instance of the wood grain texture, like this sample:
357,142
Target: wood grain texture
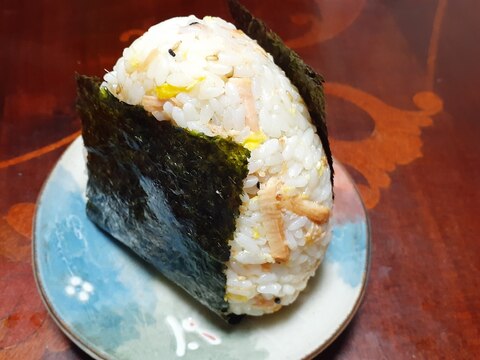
403,104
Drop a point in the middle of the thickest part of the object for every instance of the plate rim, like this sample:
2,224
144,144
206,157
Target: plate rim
46,301
99,355
365,275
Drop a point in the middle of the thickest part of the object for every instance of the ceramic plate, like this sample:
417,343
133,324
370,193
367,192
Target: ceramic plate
114,306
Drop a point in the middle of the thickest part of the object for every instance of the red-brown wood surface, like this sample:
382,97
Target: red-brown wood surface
403,105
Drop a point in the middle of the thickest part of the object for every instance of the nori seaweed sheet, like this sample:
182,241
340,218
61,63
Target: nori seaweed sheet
169,194
308,82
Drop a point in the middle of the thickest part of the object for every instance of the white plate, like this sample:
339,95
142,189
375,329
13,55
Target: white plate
114,306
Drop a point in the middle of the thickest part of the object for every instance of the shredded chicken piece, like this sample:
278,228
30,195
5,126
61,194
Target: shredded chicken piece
271,211
314,211
244,87
272,202
152,103
144,65
261,302
176,102
313,234
266,267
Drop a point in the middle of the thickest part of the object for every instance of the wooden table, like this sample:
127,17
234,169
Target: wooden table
403,105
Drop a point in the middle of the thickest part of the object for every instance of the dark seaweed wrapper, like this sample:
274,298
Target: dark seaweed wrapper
170,195
308,82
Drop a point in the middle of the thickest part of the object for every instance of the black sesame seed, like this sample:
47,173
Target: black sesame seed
277,300
171,52
193,23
